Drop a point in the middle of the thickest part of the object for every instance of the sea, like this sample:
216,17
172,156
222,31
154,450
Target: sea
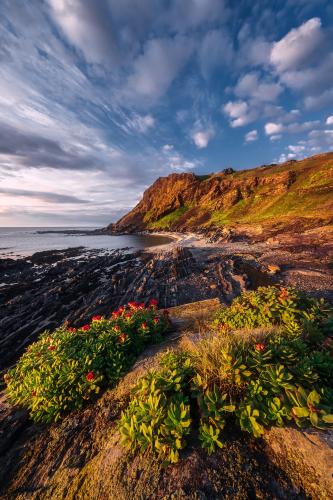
18,242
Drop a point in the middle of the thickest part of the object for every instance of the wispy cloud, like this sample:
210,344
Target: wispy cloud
97,99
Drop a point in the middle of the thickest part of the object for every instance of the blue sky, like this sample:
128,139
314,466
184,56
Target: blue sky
99,98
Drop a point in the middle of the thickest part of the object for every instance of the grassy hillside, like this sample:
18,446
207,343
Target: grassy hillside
264,195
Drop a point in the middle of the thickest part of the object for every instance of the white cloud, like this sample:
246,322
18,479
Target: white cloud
240,113
329,120
319,101
273,128
87,27
298,47
251,86
201,138
276,137
296,149
317,141
291,128
297,128
167,147
156,68
190,14
235,109
140,123
257,51
313,79
251,136
285,157
215,51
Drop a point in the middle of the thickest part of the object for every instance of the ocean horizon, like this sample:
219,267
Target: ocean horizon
18,242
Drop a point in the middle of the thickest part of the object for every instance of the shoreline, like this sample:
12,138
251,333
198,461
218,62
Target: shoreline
49,287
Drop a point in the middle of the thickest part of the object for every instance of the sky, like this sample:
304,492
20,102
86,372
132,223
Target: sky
99,98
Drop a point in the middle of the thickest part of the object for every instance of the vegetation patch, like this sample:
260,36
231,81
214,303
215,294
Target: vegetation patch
267,361
169,219
66,368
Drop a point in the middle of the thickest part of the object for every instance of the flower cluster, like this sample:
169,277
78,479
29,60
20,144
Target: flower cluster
69,366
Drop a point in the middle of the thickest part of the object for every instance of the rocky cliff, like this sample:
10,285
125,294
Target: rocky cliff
297,194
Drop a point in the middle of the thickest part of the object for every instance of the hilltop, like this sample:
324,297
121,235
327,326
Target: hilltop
295,195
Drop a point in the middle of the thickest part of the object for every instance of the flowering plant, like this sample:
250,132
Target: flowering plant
63,369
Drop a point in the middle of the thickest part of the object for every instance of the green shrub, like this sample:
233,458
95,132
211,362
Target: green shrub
158,417
63,369
269,306
276,377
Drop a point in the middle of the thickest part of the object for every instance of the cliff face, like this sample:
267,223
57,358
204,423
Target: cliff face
266,195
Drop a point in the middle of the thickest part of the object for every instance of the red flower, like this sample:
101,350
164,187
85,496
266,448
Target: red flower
128,315
116,328
33,393
90,376
156,320
260,347
133,305
115,314
144,326
153,302
97,318
85,328
51,347
72,330
284,294
141,305
122,337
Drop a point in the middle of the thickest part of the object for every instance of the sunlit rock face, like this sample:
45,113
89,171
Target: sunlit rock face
264,196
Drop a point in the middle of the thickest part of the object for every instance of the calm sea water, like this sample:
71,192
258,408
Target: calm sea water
20,241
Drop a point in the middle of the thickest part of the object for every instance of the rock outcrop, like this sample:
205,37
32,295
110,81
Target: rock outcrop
271,197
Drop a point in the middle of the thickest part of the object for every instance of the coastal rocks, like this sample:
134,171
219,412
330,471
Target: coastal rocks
51,288
306,456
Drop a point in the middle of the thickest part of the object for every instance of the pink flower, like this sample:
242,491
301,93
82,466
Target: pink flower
90,376
72,330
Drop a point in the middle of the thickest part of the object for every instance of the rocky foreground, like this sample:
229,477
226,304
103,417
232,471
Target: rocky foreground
43,291
81,457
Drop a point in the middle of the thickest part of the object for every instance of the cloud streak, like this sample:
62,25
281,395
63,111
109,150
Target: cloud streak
98,99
